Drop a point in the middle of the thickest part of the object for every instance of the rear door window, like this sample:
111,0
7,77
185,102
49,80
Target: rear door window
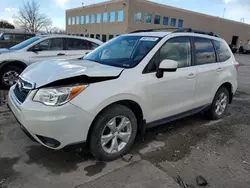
222,51
76,44
91,45
204,51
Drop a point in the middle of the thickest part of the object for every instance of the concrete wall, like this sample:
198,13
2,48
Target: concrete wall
225,28
99,28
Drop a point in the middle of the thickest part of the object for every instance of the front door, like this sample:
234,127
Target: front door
173,93
48,49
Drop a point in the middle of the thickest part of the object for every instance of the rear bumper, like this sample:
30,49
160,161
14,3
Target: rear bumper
53,127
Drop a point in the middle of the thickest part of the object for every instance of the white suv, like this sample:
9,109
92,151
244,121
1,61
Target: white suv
39,48
131,83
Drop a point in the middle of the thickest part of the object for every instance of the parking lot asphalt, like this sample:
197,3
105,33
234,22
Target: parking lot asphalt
217,150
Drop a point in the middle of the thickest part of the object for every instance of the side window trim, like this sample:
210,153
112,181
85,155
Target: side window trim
216,52
145,71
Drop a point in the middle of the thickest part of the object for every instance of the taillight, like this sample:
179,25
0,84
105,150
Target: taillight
236,65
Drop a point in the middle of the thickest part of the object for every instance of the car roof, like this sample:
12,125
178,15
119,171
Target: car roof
70,36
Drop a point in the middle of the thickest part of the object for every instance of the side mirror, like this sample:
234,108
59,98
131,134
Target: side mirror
36,49
167,65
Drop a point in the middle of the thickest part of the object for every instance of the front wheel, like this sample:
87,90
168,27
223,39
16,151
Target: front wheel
113,133
9,76
219,105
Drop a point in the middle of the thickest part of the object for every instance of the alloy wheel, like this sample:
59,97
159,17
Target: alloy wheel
116,134
10,77
221,104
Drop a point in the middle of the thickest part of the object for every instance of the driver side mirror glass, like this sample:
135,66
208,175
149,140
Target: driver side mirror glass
167,65
36,49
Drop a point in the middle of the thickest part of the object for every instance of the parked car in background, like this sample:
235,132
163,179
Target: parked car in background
133,82
245,48
9,39
233,48
39,48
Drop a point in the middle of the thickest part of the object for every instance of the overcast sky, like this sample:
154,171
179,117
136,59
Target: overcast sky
55,9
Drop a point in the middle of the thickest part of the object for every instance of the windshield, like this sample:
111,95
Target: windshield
123,51
25,43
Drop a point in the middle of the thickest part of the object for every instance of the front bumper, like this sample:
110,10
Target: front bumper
63,125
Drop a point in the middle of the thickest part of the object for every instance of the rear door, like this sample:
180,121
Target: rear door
52,48
76,48
208,70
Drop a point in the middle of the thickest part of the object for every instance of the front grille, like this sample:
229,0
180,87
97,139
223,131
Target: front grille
22,90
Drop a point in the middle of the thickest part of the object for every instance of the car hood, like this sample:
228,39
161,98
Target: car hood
46,72
4,50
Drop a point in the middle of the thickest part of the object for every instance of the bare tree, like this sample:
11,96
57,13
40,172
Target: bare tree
30,19
55,30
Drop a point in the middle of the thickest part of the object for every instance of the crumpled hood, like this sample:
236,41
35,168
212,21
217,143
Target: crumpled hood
46,72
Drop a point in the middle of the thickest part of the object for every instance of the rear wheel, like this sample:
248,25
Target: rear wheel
113,133
219,105
9,76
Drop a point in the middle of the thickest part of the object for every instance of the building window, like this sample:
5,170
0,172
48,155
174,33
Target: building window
77,20
105,17
92,36
157,19
112,17
97,36
104,38
173,22
111,36
92,18
73,20
82,20
87,19
120,16
148,18
98,18
69,20
180,23
165,20
137,16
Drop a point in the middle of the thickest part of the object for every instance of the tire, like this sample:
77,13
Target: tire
212,113
11,68
241,50
100,126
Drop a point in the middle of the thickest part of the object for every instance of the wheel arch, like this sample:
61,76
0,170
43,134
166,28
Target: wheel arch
13,62
131,104
229,87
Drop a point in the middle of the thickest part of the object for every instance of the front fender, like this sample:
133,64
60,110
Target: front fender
121,97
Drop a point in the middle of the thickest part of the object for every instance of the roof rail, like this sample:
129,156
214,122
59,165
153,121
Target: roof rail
178,30
190,30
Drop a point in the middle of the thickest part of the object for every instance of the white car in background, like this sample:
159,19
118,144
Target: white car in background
133,82
39,48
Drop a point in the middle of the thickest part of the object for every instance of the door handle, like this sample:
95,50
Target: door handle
219,69
60,54
191,75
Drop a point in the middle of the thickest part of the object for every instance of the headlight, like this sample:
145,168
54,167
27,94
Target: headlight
58,96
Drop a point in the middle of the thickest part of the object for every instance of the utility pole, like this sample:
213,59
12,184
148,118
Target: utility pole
224,11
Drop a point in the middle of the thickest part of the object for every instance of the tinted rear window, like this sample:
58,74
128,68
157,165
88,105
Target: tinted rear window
222,51
205,52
